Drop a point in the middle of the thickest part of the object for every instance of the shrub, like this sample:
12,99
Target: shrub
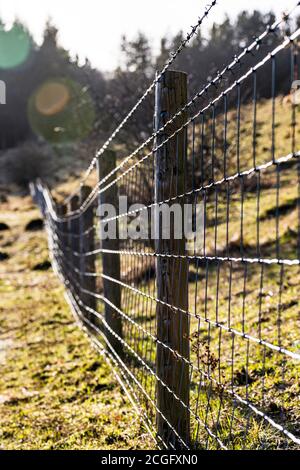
25,163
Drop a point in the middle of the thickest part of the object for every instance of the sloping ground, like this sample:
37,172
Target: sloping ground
56,391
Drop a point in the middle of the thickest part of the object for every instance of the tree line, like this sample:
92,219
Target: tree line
115,93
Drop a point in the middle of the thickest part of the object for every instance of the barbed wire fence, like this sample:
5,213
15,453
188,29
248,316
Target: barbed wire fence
201,332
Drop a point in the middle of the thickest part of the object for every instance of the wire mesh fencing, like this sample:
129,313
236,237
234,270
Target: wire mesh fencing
182,260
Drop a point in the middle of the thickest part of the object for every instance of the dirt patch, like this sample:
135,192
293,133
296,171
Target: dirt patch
34,225
4,345
44,266
3,256
3,226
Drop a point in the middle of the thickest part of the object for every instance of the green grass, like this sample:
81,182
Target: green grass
56,392
263,304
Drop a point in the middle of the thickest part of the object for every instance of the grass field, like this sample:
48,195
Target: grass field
257,217
56,392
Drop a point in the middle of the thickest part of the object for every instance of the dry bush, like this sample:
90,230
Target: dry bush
25,163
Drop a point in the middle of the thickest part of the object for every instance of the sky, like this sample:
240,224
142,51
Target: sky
93,28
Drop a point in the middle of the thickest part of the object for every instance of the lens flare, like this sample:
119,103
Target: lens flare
15,46
61,110
52,98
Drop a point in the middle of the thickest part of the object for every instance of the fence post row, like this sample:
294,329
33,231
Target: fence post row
173,420
87,263
73,244
111,266
61,234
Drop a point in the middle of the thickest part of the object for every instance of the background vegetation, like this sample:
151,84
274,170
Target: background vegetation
113,94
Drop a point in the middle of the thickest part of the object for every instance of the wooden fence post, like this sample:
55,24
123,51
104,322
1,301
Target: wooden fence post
62,236
74,246
172,273
87,263
111,266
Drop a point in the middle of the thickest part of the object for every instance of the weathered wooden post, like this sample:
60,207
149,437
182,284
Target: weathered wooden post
171,272
87,263
62,237
111,266
73,244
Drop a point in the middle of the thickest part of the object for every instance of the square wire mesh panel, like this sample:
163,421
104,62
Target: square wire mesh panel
205,332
